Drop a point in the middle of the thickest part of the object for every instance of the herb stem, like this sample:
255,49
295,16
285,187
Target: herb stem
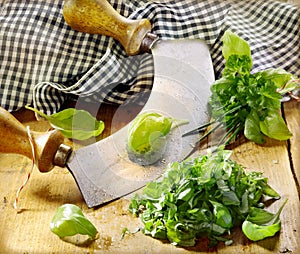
233,126
209,132
234,134
201,128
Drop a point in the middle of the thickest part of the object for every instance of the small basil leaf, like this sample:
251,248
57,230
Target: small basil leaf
274,127
69,221
222,215
279,76
256,232
147,137
73,123
261,224
252,128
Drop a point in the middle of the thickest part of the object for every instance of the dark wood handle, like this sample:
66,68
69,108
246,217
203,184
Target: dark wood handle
99,17
14,139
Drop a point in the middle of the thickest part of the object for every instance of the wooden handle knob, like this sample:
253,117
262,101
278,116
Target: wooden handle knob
15,139
99,17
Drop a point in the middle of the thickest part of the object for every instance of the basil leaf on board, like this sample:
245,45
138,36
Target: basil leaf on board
261,224
74,123
278,76
69,221
202,196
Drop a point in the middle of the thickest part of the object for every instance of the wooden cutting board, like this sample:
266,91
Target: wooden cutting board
29,231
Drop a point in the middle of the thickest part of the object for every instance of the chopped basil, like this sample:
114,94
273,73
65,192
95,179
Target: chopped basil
204,196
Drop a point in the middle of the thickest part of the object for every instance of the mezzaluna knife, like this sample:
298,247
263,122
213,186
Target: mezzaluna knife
183,73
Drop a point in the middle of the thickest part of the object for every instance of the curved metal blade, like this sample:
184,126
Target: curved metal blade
181,88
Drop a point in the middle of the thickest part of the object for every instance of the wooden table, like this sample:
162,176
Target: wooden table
29,231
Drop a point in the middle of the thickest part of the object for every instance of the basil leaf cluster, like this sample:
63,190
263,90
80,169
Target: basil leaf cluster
246,102
205,196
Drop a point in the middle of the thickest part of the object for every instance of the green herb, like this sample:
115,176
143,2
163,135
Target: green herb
69,221
126,230
203,196
73,123
247,102
147,136
260,224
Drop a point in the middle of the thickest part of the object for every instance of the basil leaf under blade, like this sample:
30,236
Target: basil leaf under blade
69,221
74,123
147,136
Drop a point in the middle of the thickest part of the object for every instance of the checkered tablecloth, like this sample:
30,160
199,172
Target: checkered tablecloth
44,62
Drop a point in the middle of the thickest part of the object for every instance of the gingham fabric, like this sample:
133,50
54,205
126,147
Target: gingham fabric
44,62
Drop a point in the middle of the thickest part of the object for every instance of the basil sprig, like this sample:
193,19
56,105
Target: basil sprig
242,101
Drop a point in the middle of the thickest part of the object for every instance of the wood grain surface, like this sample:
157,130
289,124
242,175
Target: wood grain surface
29,231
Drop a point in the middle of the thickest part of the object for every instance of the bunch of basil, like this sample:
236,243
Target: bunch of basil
242,101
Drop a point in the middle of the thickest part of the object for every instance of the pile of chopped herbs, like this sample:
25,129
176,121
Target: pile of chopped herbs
206,196
246,102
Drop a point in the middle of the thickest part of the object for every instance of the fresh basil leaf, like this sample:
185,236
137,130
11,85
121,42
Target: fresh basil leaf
259,216
261,224
234,45
73,123
222,215
269,191
252,128
230,198
147,137
274,127
69,221
180,234
290,86
256,232
278,76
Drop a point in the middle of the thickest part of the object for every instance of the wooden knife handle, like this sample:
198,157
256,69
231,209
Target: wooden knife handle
15,139
99,17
